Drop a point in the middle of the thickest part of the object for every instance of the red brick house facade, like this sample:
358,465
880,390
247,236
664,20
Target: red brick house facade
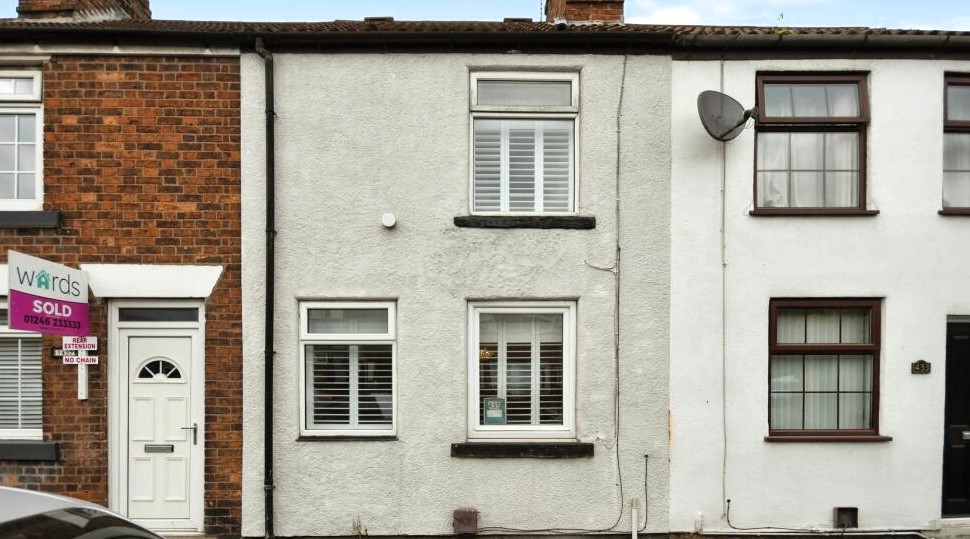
140,179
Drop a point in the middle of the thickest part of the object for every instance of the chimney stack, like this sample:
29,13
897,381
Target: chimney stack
584,11
84,10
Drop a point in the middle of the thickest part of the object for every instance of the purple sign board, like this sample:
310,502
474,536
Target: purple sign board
46,297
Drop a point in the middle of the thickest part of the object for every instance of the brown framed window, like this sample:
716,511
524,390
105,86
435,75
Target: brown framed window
811,143
956,143
823,375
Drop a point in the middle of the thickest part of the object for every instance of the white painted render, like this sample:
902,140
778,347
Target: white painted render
908,254
361,135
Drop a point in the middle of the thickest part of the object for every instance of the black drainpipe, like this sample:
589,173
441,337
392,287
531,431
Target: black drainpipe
268,485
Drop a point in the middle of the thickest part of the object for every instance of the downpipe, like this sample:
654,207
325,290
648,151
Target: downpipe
270,288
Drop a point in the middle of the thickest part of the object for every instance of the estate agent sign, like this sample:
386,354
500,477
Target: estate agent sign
46,297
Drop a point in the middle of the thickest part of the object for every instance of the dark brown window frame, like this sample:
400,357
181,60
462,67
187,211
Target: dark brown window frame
954,126
873,347
812,124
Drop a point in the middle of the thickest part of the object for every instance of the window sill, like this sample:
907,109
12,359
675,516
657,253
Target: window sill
812,212
578,222
512,450
30,450
829,438
348,438
954,211
30,219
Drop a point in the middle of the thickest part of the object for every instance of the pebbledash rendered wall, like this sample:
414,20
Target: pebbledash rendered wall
363,134
908,254
141,156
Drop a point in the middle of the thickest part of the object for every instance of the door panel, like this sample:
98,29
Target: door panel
956,447
159,427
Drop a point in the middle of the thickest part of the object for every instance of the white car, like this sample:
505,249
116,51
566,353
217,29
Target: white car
28,514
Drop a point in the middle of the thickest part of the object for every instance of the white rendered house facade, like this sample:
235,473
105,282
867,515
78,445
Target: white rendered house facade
819,296
447,245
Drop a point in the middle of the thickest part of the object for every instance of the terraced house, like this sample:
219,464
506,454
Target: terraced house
120,156
427,278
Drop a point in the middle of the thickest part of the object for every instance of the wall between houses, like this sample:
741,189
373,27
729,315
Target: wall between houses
359,135
907,254
141,154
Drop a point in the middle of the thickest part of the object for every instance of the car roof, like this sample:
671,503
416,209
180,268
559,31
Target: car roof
18,503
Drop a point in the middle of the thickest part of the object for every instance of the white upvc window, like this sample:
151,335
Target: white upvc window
521,370
21,141
20,381
348,377
524,131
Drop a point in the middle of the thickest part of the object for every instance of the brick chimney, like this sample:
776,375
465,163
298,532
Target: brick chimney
584,10
84,10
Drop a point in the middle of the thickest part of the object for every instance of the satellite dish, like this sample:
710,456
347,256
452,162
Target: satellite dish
722,116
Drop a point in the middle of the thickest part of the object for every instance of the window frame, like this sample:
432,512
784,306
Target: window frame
27,104
873,348
524,112
6,332
355,339
815,124
523,433
952,126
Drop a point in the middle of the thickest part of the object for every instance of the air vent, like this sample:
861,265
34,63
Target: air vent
378,19
846,517
518,19
465,520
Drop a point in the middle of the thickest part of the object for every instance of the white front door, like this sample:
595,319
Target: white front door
161,430
157,414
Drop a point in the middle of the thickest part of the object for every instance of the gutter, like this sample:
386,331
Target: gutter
270,289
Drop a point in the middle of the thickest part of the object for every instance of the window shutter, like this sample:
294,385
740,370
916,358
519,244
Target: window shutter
20,384
329,381
557,166
518,383
488,165
523,165
339,399
374,385
550,383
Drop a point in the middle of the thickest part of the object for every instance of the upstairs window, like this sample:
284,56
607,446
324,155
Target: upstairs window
524,142
21,137
20,381
348,376
956,143
823,367
811,143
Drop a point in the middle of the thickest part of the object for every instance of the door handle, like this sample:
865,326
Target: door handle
965,435
195,433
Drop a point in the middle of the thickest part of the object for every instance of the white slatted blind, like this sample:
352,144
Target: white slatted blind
20,384
350,386
521,360
523,165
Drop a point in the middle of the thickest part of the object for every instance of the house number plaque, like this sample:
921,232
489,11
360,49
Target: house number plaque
920,367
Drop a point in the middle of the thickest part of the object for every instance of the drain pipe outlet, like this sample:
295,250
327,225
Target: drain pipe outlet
270,288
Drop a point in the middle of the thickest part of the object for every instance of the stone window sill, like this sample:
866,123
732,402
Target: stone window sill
576,222
30,450
30,219
531,450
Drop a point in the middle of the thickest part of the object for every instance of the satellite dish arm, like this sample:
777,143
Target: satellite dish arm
748,114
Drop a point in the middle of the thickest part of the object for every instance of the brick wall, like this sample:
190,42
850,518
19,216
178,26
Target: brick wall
141,155
584,10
